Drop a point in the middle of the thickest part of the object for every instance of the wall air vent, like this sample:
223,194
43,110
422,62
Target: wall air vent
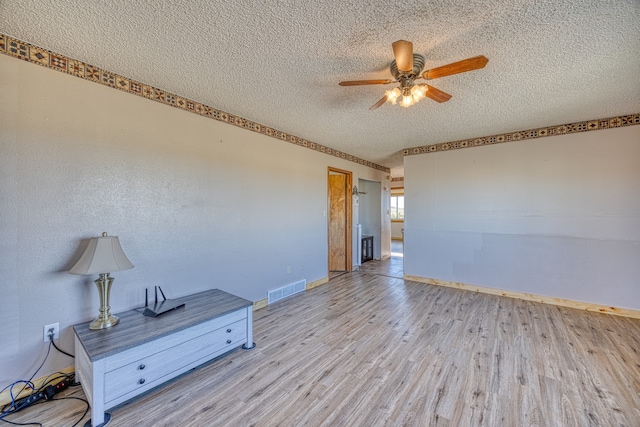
285,291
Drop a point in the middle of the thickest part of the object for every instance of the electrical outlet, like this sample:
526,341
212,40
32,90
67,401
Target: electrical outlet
288,269
56,331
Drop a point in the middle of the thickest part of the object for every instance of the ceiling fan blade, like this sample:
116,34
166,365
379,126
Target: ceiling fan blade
437,95
403,52
468,64
365,82
379,103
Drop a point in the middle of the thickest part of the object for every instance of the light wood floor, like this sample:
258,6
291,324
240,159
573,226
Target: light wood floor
367,349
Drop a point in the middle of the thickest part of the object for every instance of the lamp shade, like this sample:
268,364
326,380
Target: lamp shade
103,255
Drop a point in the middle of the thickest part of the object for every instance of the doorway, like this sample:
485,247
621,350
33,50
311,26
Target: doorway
370,212
339,221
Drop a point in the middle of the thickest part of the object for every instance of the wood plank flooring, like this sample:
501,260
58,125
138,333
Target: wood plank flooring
368,349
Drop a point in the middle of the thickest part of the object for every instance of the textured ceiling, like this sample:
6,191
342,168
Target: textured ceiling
278,63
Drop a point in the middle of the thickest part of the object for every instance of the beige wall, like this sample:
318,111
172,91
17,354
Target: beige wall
197,204
556,216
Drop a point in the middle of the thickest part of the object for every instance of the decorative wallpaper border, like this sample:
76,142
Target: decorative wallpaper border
589,125
36,55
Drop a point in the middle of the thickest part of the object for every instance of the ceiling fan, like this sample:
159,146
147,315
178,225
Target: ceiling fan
407,67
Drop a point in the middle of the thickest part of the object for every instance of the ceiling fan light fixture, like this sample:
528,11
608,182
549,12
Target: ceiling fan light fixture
407,101
407,95
408,98
392,95
419,92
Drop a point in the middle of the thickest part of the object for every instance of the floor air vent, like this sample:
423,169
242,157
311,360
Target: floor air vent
285,291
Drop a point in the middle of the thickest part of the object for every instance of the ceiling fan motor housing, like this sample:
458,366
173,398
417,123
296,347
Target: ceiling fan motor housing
418,65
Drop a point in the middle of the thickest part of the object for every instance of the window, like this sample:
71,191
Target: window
397,208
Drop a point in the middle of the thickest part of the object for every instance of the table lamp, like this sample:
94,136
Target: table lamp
103,255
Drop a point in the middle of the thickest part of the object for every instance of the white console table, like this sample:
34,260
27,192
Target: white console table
121,362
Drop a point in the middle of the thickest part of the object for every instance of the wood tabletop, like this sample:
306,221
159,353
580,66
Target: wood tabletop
134,328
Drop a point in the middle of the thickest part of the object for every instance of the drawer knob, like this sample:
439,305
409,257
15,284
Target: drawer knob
141,381
229,330
142,366
228,341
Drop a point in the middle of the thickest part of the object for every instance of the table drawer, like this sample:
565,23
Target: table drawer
134,354
142,373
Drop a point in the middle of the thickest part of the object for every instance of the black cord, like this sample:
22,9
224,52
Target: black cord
12,408
35,423
49,380
21,424
86,411
42,364
62,351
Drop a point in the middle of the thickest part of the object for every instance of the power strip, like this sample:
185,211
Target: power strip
27,401
52,390
47,393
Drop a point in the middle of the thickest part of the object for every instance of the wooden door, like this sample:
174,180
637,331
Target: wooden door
339,189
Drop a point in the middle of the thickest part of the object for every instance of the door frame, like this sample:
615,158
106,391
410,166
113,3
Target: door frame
348,200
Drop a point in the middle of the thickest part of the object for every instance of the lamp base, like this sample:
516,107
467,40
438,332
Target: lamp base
105,319
101,323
